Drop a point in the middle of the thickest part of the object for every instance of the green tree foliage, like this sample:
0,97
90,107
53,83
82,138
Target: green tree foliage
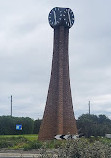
8,125
37,124
92,125
89,125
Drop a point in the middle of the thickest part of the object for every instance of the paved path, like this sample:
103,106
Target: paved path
35,153
18,155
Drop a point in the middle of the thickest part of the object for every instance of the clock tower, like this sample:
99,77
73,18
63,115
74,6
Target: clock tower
58,118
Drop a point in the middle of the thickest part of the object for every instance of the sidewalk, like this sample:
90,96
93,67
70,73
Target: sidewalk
27,154
19,155
4,153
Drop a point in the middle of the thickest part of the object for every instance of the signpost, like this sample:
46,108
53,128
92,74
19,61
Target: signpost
69,136
19,127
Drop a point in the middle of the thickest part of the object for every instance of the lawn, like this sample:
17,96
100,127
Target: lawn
17,141
27,136
91,147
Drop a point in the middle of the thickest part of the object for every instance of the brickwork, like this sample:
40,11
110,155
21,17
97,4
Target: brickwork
58,115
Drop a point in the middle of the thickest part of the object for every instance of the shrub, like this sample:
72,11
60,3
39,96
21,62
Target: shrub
83,149
6,144
33,145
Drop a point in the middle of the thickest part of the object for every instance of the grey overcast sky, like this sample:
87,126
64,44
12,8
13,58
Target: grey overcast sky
26,47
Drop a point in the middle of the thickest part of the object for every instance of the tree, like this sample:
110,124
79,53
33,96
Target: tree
8,125
92,125
37,124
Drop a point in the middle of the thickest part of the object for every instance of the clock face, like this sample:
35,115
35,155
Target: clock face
61,17
68,17
55,17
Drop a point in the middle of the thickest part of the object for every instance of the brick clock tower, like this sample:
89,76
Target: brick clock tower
58,116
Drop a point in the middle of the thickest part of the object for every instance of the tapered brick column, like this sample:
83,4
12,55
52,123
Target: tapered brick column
58,115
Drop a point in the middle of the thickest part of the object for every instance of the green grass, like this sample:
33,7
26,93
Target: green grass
30,141
17,141
30,137
26,142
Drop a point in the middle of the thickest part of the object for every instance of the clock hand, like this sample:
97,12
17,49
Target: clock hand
55,17
69,17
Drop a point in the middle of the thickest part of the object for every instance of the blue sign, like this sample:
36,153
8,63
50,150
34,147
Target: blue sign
18,127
